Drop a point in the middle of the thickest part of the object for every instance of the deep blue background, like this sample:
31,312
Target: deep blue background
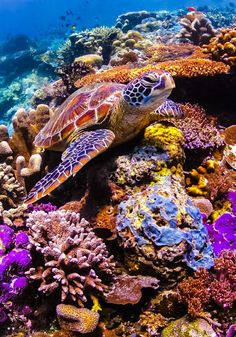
35,17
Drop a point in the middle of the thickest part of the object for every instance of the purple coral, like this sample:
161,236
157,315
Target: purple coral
41,207
223,232
15,260
75,260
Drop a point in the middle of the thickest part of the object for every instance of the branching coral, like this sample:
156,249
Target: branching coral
81,320
75,259
196,28
223,46
15,259
190,67
11,191
217,286
72,73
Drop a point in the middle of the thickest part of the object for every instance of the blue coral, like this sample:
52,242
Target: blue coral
164,216
15,259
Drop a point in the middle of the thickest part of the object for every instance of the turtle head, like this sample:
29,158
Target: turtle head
150,90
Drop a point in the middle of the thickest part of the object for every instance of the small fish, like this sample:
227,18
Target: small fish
62,17
67,25
231,4
73,27
78,18
191,9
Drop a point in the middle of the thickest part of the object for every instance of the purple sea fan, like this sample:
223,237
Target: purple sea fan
75,259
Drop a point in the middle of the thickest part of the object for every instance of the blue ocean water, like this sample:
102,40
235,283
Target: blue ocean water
38,17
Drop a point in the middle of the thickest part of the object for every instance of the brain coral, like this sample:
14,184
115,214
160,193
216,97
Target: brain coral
75,260
161,219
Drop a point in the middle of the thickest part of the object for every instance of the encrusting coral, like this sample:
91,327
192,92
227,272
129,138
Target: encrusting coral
196,28
75,260
127,289
81,320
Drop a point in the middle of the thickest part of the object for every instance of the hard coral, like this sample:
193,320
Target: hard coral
199,130
180,68
81,320
11,191
75,259
223,46
196,27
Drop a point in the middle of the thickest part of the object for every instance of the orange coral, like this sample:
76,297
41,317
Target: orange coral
223,46
190,67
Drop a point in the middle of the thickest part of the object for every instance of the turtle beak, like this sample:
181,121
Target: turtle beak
169,81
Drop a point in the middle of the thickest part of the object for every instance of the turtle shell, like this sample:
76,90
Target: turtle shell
84,108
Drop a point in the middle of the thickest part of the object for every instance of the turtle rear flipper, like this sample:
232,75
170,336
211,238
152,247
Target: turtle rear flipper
87,146
166,110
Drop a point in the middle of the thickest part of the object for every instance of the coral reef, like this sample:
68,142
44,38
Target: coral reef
196,27
15,260
75,319
223,46
229,155
75,260
127,289
199,129
180,68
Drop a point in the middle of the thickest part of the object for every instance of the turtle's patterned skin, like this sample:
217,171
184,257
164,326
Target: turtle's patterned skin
99,116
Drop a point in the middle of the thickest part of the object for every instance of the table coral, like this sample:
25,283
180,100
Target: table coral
15,259
81,320
196,27
223,46
75,260
180,68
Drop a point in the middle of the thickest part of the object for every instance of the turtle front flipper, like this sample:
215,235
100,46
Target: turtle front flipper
87,146
166,110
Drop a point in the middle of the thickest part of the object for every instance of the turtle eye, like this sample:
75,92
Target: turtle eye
149,80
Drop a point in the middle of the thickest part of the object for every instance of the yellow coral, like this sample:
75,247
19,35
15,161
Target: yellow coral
166,137
75,319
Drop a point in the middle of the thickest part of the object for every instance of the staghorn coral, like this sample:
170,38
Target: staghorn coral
15,259
75,319
196,27
75,259
199,130
127,289
180,68
11,191
223,46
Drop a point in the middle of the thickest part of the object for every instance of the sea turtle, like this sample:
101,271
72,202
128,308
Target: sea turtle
99,116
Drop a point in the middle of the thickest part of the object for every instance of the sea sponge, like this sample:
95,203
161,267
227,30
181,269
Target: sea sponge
223,46
126,289
196,28
75,260
81,320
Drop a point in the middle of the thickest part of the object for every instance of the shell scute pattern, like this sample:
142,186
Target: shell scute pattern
79,111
